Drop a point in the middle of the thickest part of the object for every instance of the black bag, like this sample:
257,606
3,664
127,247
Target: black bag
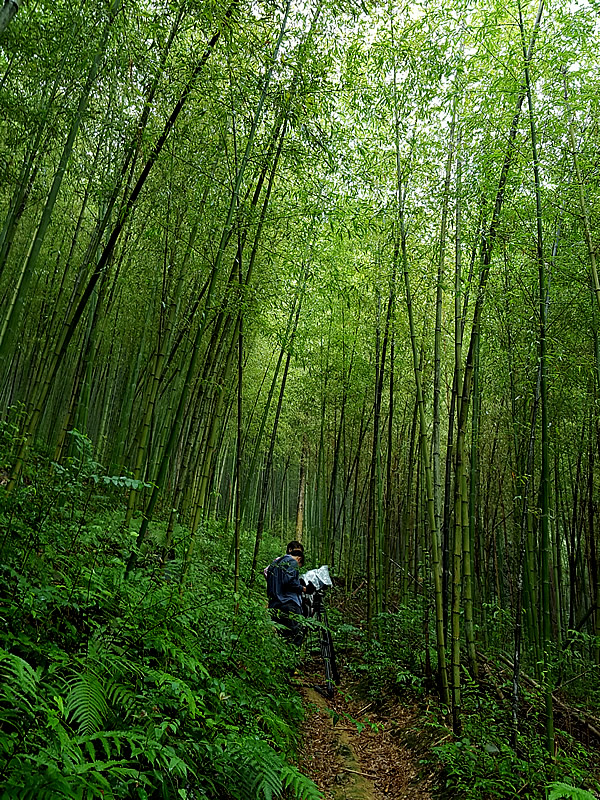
269,573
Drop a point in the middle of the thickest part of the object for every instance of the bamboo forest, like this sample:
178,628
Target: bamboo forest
299,394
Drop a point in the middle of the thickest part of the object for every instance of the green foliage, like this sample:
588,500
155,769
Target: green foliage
481,764
86,703
562,790
137,689
393,663
257,773
489,769
575,670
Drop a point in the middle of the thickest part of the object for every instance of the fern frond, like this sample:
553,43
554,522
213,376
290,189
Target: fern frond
301,786
563,790
19,690
105,657
112,742
43,782
121,696
16,672
86,702
257,772
179,689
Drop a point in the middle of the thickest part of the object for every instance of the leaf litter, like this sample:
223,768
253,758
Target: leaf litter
354,753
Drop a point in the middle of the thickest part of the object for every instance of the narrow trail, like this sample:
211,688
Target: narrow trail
378,759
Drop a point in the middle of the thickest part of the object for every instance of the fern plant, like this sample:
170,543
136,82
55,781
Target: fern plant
254,771
131,690
87,702
562,791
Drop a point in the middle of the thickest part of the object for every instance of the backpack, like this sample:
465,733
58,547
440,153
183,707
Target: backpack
269,573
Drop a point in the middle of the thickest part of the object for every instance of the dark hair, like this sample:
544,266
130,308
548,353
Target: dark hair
295,548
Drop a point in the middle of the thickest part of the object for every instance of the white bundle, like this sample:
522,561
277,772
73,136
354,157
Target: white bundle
318,577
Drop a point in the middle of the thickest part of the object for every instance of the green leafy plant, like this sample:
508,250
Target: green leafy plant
258,773
481,765
394,662
137,689
563,790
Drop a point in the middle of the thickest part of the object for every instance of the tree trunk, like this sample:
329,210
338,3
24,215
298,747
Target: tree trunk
301,491
13,313
545,466
7,13
72,321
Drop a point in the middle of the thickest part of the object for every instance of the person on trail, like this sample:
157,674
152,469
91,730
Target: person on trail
285,589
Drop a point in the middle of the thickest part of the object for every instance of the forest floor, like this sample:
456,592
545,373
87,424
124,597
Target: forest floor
353,752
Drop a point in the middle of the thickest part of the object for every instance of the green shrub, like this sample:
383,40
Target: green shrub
481,764
132,689
392,663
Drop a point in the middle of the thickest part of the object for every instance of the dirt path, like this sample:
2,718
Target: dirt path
377,762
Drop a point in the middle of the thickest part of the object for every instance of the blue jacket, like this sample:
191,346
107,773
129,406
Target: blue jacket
283,584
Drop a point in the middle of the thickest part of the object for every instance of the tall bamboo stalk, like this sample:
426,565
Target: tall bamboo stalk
71,323
269,459
435,545
437,345
225,235
545,544
301,491
12,314
7,13
239,428
433,530
373,508
581,195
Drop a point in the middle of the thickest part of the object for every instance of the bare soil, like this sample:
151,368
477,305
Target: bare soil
354,753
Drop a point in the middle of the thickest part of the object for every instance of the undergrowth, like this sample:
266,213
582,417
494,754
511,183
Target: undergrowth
137,688
142,688
480,764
